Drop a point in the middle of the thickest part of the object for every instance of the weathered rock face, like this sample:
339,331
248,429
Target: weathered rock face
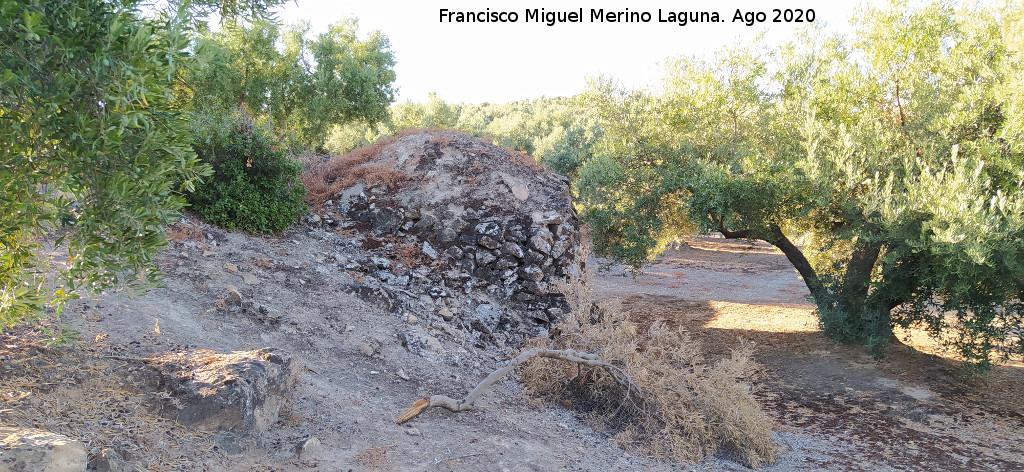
241,391
34,450
491,223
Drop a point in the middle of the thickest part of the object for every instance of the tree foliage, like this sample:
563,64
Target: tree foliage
91,146
895,152
540,127
303,84
93,149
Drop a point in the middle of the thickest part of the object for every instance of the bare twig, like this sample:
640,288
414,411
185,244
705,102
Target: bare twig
133,359
570,355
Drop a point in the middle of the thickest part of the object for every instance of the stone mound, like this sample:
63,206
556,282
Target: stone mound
495,225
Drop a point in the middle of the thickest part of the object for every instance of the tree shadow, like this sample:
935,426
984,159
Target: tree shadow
910,409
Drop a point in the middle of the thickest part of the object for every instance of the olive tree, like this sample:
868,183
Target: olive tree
92,149
893,151
302,83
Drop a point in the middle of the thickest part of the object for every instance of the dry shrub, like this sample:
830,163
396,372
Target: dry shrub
184,230
324,178
409,255
522,159
380,175
684,408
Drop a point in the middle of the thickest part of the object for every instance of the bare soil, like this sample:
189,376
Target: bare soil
835,406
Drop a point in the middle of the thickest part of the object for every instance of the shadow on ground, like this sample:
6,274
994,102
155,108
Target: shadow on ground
909,410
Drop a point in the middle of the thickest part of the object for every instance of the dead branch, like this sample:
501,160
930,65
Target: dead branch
570,355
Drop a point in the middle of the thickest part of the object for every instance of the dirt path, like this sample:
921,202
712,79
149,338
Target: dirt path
837,408
356,375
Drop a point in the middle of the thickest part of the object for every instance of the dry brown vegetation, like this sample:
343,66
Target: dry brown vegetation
686,408
521,158
324,178
375,458
41,388
409,255
182,231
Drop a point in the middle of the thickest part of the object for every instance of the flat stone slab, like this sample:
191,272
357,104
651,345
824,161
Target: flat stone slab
36,450
239,391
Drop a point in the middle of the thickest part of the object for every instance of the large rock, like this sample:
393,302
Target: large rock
486,318
419,342
240,391
35,450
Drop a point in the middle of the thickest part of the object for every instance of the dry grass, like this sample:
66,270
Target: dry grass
687,408
324,178
409,255
762,318
70,391
522,159
185,230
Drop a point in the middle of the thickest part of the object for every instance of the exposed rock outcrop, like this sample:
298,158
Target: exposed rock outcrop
240,392
36,450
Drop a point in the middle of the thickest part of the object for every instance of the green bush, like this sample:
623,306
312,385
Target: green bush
255,187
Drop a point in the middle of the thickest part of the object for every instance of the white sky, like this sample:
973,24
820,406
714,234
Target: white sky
495,62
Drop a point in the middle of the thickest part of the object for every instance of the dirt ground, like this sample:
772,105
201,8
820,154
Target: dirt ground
836,408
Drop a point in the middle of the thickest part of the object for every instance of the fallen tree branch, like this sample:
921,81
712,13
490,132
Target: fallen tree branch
571,355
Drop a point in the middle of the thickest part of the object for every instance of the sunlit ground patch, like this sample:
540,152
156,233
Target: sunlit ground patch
920,340
730,246
767,318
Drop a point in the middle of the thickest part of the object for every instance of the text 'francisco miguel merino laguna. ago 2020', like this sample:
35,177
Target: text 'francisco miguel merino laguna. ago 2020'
601,15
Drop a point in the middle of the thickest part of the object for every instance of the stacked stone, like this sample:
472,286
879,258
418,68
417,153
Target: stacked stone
520,258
